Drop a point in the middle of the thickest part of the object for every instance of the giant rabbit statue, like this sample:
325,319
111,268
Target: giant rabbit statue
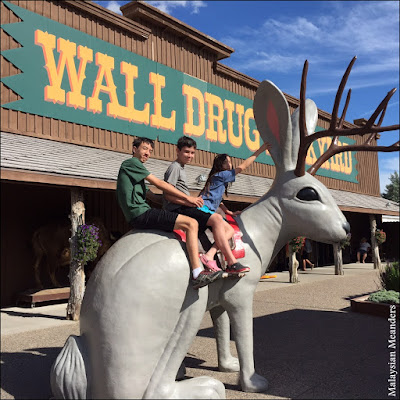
140,314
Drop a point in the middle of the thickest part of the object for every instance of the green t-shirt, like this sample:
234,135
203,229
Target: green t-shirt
131,188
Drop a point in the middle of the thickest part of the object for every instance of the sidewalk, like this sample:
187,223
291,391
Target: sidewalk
306,341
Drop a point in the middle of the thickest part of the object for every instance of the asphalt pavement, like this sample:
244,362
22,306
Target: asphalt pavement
307,341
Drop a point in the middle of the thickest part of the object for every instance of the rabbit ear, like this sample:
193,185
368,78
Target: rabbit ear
272,116
311,123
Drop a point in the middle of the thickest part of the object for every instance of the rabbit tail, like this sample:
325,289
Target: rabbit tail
68,374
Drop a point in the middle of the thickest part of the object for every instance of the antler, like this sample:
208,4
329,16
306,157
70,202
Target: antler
336,127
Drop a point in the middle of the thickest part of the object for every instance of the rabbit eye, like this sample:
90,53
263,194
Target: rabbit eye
307,194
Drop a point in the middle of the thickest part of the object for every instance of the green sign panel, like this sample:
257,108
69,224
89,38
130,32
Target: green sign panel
75,77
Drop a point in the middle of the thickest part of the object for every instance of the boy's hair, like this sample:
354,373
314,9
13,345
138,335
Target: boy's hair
185,141
138,141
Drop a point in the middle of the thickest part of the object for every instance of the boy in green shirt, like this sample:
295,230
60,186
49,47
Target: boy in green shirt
131,196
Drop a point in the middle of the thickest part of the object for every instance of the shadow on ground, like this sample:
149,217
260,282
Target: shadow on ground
26,375
30,315
315,354
309,354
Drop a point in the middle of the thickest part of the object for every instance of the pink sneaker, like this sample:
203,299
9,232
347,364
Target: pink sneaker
209,264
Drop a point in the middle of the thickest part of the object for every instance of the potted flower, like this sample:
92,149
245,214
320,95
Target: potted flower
297,243
88,243
380,236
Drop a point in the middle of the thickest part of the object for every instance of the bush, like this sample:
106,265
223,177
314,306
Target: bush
385,296
390,277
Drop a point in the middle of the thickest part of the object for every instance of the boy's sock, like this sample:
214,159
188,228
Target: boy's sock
196,272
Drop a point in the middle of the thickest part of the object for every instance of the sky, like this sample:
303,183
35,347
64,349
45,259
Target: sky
272,39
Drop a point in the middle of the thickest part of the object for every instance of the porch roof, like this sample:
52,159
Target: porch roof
36,160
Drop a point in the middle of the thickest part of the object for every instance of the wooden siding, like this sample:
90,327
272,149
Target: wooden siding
164,46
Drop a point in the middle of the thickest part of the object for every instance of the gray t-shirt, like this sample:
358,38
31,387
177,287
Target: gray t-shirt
176,176
364,246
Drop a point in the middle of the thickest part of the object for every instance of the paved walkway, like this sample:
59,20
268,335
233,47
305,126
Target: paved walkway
306,341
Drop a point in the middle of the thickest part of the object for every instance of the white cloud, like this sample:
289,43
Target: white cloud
390,105
114,6
168,6
360,85
387,166
390,163
196,5
336,31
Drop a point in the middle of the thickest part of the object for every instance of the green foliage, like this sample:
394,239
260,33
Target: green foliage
392,189
385,296
297,243
380,236
390,277
346,242
87,243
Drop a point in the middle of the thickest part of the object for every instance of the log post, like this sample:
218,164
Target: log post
76,271
293,265
374,244
337,255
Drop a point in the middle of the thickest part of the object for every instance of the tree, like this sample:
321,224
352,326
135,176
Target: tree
392,189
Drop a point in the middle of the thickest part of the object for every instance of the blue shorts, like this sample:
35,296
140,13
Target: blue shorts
206,209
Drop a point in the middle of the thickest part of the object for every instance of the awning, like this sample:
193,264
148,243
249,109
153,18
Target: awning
31,159
390,218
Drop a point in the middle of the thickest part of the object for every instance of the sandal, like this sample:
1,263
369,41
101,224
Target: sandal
209,264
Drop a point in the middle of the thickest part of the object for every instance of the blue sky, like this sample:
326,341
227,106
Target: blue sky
272,39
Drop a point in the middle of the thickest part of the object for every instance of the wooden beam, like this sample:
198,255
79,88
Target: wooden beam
55,179
368,210
111,17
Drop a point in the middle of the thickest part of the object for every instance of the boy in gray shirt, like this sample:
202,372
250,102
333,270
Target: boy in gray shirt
222,231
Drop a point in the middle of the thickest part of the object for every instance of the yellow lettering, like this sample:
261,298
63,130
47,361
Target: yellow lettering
238,141
336,162
212,134
156,119
311,157
235,141
74,97
129,112
191,93
67,50
94,104
322,143
254,144
347,162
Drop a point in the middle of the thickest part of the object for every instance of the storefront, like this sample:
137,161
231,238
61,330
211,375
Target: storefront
79,81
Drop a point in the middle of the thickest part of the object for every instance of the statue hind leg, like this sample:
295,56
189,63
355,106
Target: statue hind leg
226,362
162,384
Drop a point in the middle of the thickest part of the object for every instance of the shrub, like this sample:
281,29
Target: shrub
390,277
385,296
87,243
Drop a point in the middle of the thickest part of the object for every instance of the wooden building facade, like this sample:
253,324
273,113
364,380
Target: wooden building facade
33,194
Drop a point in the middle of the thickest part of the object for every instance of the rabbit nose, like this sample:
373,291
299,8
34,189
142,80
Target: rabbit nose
346,227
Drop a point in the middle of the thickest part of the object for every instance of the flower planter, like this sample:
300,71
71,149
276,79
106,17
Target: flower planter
362,305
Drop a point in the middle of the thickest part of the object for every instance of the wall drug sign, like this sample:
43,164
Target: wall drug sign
72,76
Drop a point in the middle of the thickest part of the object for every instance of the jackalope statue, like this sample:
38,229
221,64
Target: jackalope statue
136,330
